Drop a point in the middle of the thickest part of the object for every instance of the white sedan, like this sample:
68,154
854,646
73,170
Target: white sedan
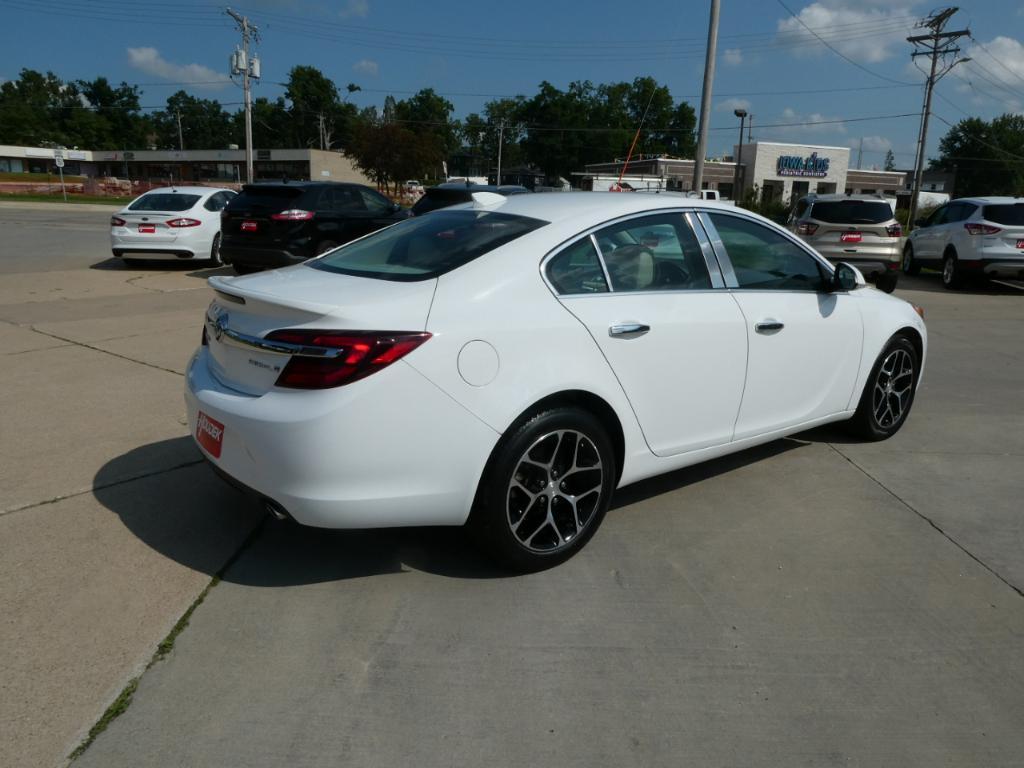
173,222
510,362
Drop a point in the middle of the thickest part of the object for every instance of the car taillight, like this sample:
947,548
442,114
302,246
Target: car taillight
894,230
354,355
182,223
117,221
806,228
980,229
295,214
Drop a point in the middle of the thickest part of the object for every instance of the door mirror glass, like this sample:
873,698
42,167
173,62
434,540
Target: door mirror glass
844,278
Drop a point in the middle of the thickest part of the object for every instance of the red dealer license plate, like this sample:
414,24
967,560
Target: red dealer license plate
850,237
1020,243
210,434
147,229
250,226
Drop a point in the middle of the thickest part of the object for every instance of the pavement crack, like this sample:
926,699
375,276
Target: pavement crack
103,486
106,351
931,522
131,281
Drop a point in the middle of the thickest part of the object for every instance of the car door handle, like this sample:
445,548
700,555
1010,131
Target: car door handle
769,326
631,330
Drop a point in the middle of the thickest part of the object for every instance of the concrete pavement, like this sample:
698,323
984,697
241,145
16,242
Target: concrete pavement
93,358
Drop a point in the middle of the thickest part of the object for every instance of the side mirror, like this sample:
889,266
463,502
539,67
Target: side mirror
845,278
922,222
395,207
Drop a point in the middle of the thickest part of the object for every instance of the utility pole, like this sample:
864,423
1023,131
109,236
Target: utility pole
181,141
242,65
860,152
750,128
938,44
741,114
501,140
705,98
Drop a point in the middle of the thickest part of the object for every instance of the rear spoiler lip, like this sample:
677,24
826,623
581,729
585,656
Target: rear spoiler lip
225,284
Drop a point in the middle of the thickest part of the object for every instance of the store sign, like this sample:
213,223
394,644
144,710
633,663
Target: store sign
791,165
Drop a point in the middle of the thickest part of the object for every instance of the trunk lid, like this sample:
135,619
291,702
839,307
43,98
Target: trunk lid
247,220
300,297
148,226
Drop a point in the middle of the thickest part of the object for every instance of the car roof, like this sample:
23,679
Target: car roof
989,200
186,190
833,197
557,207
301,184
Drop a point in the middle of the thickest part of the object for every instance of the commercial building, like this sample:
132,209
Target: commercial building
191,165
775,170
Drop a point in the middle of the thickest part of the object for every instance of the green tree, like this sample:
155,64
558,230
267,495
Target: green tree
119,123
890,161
988,157
204,123
36,109
426,112
319,118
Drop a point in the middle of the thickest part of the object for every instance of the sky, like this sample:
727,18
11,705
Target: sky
768,62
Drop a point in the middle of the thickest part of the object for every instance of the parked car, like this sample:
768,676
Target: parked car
972,236
453,193
859,229
274,225
510,362
171,222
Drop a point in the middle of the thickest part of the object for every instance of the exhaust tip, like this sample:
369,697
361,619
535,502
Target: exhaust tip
276,510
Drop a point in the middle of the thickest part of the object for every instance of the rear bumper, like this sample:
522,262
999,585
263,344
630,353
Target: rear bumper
1003,267
156,254
390,450
259,257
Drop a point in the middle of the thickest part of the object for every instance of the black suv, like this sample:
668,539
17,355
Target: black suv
274,225
455,192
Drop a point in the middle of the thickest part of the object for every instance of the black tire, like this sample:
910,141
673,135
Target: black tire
910,266
887,282
952,273
891,384
244,269
215,260
528,517
325,246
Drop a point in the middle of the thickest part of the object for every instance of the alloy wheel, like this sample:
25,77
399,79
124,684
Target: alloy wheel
948,270
555,491
893,387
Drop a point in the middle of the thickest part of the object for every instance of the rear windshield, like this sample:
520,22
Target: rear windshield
851,212
164,201
1011,214
440,198
269,198
422,248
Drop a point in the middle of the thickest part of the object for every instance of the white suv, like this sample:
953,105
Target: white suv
970,236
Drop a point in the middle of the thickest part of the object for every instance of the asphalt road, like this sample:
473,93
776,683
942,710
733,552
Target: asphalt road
815,601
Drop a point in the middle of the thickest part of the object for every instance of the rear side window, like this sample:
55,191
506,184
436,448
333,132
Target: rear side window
422,248
1010,214
577,269
164,201
765,260
851,212
653,253
269,198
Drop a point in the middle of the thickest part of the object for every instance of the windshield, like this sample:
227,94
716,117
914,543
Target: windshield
422,248
851,212
1011,215
164,201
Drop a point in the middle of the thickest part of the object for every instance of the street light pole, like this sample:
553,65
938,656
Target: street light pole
740,113
705,98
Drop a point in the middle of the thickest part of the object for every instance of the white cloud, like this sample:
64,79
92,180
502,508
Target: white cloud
367,67
868,31
150,61
733,56
814,122
355,9
999,61
731,104
871,144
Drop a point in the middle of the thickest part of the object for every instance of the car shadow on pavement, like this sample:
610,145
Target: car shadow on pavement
167,496
931,282
169,265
